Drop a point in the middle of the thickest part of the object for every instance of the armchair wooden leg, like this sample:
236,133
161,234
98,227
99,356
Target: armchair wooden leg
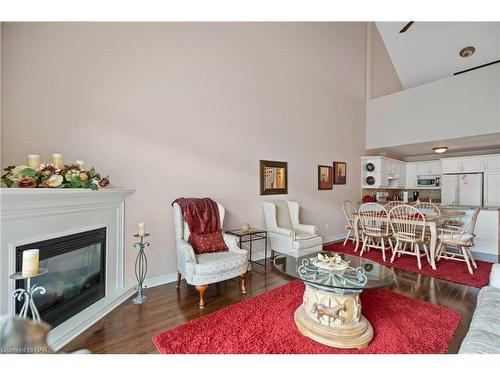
178,283
201,290
243,281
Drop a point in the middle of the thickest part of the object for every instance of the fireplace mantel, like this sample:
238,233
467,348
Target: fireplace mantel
32,215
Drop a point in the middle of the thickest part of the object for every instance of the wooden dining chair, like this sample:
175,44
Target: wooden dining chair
374,224
460,238
349,212
428,208
408,227
389,205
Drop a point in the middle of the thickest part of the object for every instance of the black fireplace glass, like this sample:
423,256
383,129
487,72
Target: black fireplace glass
75,277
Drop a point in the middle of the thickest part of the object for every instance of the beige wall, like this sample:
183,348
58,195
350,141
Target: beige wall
186,109
385,79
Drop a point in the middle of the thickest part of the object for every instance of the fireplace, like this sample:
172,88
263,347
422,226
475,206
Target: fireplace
76,274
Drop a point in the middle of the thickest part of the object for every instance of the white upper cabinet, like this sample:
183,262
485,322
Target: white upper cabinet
492,163
411,175
472,164
428,168
492,188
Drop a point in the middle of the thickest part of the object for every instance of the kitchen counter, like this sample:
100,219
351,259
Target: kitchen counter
485,208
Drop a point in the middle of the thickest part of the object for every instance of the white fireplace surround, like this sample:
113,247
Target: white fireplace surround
32,215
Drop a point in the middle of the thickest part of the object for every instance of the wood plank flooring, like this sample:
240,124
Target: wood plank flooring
129,327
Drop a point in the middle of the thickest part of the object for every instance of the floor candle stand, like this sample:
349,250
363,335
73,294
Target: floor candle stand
141,268
27,294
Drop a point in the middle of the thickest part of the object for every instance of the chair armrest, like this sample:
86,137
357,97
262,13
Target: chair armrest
306,228
232,244
187,250
282,231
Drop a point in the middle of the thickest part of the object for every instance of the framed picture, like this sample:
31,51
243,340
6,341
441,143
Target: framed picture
325,177
339,173
273,177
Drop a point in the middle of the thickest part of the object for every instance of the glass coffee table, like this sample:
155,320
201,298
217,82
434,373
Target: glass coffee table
331,309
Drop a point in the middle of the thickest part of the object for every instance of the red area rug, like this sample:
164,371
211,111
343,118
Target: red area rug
265,325
445,269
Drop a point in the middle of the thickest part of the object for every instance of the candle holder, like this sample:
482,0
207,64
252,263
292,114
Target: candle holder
28,293
141,268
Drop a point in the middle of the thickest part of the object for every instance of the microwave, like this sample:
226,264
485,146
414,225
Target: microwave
428,181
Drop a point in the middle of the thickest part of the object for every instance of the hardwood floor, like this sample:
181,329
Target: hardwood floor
129,328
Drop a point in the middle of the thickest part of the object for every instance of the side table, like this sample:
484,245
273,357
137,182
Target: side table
249,237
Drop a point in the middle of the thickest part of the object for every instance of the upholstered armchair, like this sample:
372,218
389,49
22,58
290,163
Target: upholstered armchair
203,269
286,234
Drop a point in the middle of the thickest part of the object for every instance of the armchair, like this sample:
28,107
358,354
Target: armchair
286,234
203,269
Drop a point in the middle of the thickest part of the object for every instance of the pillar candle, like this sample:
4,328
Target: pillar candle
34,161
142,229
57,160
30,262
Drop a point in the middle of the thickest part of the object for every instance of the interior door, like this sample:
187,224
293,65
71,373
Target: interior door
470,189
449,189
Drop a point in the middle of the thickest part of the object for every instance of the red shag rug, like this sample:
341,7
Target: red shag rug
265,325
445,269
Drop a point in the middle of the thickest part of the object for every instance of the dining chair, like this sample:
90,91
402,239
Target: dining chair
428,208
460,238
389,205
408,227
349,212
374,224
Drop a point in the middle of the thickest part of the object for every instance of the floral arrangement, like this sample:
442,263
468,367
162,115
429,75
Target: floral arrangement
49,176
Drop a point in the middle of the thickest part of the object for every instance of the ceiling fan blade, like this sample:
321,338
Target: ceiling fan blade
407,26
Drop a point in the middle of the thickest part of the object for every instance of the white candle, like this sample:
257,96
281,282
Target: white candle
142,230
34,161
79,163
30,262
57,160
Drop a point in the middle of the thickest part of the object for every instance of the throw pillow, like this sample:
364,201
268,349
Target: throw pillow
208,242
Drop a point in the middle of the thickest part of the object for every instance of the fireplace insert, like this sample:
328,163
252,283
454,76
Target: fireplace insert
76,275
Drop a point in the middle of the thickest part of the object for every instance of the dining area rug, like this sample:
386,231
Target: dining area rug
265,325
448,270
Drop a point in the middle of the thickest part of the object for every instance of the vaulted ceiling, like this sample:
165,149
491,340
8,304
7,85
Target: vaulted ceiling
429,51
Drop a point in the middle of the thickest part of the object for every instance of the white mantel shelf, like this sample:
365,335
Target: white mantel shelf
29,215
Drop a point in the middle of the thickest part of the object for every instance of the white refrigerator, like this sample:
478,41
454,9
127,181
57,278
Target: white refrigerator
462,189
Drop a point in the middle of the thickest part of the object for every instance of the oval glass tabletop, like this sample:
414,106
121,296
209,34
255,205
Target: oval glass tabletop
341,272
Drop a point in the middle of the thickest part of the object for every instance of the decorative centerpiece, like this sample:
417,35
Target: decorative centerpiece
332,263
245,228
53,175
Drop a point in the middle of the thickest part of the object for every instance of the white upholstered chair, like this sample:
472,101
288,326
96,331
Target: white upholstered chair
286,234
203,269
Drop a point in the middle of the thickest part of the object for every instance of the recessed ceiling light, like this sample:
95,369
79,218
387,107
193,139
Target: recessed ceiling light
439,150
467,51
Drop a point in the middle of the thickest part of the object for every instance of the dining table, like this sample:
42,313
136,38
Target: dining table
431,221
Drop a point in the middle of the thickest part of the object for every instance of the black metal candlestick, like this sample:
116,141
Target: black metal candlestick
141,268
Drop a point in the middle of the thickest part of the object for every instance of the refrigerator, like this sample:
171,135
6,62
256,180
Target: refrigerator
462,189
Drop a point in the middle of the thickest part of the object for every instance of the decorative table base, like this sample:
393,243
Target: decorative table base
333,317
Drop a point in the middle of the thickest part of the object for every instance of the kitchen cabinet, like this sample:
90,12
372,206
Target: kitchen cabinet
411,175
473,164
492,163
428,168
492,188
387,173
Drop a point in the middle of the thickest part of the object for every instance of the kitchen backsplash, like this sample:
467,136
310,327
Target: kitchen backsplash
425,194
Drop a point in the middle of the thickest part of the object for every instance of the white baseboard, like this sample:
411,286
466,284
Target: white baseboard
160,280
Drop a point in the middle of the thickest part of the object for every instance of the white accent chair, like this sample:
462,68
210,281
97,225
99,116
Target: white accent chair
203,269
286,234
